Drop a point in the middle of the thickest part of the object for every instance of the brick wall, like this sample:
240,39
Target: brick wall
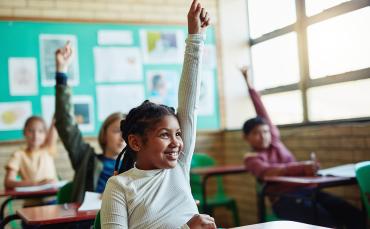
143,11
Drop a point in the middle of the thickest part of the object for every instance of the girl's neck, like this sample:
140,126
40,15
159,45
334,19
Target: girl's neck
32,148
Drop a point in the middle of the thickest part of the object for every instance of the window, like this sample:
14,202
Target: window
311,59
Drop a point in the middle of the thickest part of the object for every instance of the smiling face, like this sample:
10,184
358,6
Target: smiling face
161,145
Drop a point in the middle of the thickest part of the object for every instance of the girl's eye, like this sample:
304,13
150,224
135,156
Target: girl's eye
178,134
163,135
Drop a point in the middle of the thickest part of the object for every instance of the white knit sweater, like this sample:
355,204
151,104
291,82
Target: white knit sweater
161,198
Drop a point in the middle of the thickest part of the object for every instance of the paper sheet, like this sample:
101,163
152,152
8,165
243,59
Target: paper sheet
49,43
59,184
347,170
92,201
117,64
163,87
162,46
115,37
13,115
23,76
114,98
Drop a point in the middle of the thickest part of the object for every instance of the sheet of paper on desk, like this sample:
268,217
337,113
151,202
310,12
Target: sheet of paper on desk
347,170
41,187
92,201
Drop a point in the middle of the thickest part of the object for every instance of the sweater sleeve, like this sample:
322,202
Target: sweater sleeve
65,124
189,91
262,112
113,212
259,167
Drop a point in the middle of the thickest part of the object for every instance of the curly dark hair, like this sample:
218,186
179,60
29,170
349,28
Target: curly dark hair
138,121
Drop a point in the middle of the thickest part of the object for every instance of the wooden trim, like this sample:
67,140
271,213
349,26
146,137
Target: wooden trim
92,21
340,78
273,34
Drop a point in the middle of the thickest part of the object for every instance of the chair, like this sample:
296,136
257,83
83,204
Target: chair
64,194
97,221
219,198
264,214
363,179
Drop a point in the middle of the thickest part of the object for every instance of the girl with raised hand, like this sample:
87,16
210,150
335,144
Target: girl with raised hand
92,170
154,189
35,163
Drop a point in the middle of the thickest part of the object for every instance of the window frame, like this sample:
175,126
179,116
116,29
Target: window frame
305,82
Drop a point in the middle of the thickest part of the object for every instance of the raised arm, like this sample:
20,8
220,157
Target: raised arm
189,89
64,119
51,139
258,105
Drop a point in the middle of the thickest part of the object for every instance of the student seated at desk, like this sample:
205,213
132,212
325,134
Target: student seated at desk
91,170
272,158
154,189
34,164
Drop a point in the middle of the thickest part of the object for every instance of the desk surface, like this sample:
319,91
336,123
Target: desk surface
54,214
310,180
219,170
13,193
279,225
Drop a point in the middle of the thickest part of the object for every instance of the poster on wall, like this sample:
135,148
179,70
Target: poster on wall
49,43
115,37
163,87
118,98
162,46
207,94
13,115
22,76
113,64
82,108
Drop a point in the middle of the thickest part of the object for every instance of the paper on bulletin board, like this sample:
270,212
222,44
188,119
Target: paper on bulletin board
207,94
162,46
49,43
83,109
13,115
113,64
115,37
22,76
163,87
118,98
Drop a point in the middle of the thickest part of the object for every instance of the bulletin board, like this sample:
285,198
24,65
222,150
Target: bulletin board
114,68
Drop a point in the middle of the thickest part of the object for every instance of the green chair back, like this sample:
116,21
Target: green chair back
201,160
363,179
64,194
97,221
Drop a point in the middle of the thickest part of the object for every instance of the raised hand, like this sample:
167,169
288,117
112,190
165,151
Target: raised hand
198,18
63,57
201,221
244,71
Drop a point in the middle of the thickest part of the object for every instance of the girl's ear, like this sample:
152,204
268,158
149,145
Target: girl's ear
134,141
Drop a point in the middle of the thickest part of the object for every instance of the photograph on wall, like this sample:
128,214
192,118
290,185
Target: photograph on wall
207,94
115,37
22,76
82,108
163,87
13,115
162,46
118,98
114,64
49,43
